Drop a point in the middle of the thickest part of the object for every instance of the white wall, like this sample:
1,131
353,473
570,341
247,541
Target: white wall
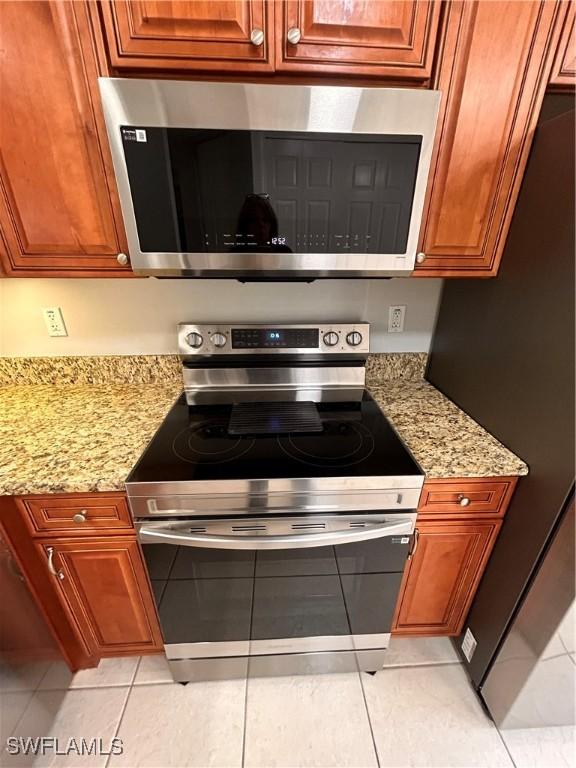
115,316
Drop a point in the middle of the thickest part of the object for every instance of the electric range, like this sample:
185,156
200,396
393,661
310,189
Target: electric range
275,505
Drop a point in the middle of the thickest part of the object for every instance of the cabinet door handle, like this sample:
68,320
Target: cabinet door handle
122,259
463,500
294,35
51,568
414,544
257,37
420,258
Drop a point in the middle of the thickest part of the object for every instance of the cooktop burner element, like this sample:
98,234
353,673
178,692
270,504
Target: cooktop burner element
341,444
209,441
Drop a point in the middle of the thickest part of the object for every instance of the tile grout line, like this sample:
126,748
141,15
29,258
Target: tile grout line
130,687
31,699
503,740
120,721
563,644
92,687
245,719
369,719
423,665
136,668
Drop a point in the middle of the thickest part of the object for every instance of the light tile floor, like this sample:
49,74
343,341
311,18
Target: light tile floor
419,711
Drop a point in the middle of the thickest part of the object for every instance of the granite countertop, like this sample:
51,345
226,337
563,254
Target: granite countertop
444,440
86,435
82,437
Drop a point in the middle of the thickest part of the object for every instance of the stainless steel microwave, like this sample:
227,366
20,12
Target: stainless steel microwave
259,181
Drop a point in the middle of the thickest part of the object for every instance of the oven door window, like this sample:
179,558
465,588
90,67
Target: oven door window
216,596
231,191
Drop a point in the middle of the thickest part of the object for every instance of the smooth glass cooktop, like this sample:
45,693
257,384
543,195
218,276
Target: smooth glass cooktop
194,443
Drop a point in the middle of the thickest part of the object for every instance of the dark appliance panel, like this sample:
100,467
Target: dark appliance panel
213,191
211,595
504,352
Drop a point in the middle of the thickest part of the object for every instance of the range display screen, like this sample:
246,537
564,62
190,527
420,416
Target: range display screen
264,338
227,191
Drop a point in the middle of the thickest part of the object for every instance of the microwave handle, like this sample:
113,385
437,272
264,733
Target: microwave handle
293,541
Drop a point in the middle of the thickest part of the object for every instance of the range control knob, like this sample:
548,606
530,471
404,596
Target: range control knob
331,338
194,340
354,338
218,339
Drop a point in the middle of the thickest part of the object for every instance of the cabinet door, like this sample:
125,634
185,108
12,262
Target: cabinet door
105,587
384,39
228,35
563,75
494,66
441,578
59,211
32,565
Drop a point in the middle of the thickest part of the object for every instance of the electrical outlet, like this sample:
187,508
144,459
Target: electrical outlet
396,317
54,321
469,644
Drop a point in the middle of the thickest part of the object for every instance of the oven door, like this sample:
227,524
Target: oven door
287,593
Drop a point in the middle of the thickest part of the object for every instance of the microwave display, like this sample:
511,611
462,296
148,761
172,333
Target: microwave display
225,191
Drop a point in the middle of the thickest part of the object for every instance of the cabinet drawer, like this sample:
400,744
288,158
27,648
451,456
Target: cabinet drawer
454,498
77,514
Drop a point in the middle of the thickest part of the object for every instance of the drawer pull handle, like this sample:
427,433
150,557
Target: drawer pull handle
80,517
414,544
257,37
464,500
51,568
294,35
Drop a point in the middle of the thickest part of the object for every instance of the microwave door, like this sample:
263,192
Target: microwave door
269,181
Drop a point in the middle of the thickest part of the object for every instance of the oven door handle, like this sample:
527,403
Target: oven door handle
293,541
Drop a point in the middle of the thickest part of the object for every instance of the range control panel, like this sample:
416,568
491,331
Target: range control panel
274,338
218,339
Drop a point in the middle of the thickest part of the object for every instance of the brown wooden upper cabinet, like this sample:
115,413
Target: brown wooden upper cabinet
492,60
223,36
353,37
494,63
385,39
563,75
59,211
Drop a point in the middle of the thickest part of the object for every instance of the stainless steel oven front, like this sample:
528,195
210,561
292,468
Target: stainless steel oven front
270,181
278,594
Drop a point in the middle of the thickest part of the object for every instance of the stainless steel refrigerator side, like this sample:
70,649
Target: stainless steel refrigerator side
532,681
185,104
504,352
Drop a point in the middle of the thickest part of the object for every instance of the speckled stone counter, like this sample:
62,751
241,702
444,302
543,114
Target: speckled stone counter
444,440
80,424
62,439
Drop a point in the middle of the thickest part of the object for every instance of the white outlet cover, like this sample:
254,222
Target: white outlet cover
469,644
396,315
54,321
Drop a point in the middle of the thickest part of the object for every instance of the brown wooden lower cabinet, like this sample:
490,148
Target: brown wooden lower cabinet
84,564
441,577
81,558
103,584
